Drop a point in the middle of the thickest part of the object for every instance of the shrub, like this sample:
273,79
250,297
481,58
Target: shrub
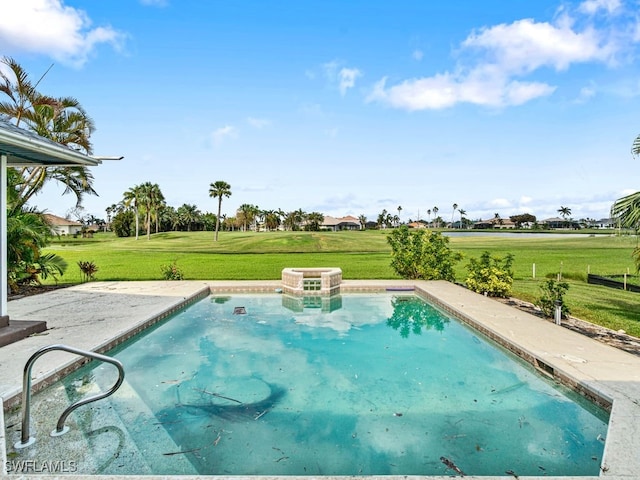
422,254
553,291
88,270
491,276
172,272
123,224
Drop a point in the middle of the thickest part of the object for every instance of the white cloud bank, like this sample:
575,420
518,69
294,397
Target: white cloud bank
503,56
49,27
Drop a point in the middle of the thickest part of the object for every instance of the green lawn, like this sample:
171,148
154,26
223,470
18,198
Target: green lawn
366,255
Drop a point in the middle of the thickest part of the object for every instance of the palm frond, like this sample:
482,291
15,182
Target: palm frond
626,210
635,148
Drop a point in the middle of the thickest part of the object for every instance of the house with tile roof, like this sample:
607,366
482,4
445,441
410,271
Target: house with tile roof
62,226
343,223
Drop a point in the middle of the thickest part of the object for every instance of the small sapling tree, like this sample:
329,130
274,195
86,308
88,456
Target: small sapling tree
551,292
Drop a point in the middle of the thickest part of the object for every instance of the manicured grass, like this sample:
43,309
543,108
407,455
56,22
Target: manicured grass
366,255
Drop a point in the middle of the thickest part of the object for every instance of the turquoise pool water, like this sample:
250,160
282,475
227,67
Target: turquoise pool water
371,384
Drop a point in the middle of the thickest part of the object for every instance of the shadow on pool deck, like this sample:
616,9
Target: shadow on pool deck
97,316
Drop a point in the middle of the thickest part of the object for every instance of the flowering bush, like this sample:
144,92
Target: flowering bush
172,272
491,276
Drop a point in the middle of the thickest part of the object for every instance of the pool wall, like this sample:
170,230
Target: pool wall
121,309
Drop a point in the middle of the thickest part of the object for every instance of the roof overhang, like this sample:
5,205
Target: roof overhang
27,149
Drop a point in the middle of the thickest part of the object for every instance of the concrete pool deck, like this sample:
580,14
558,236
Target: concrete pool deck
99,315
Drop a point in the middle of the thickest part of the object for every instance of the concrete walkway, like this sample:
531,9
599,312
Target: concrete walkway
97,316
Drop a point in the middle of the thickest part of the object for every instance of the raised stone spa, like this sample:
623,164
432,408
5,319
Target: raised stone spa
316,281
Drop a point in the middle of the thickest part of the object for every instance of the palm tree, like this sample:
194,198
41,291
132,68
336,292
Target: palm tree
271,220
399,210
429,217
462,213
455,207
382,218
363,221
61,120
293,220
246,214
131,199
635,148
626,211
188,215
218,190
314,220
564,213
435,212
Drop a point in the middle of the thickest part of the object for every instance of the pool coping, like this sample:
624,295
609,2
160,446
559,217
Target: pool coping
606,375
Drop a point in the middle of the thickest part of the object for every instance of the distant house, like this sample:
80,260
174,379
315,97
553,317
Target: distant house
603,223
343,223
500,223
62,226
417,224
557,222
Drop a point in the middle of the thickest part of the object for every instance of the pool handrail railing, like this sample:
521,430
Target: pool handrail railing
26,440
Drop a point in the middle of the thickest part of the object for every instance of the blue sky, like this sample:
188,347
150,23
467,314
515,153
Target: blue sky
347,107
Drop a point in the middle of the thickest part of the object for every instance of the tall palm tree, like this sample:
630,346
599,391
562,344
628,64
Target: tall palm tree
399,210
429,217
435,213
462,213
130,200
455,207
218,190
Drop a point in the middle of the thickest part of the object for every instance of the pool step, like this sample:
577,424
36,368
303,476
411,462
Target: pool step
160,453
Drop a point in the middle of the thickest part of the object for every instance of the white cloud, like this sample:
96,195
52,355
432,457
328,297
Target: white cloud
223,133
258,122
495,62
593,6
585,94
344,77
446,90
417,55
525,45
524,200
347,78
49,27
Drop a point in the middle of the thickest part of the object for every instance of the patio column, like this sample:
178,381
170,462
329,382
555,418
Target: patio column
4,316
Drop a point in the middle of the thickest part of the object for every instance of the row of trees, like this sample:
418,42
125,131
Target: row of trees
145,206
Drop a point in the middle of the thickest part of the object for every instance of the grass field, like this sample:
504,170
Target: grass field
366,255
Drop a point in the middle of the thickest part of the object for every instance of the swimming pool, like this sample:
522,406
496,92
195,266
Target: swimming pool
365,384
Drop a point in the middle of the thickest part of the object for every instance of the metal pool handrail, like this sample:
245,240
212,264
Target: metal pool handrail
26,440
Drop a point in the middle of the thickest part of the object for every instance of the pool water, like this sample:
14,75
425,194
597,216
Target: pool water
369,384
